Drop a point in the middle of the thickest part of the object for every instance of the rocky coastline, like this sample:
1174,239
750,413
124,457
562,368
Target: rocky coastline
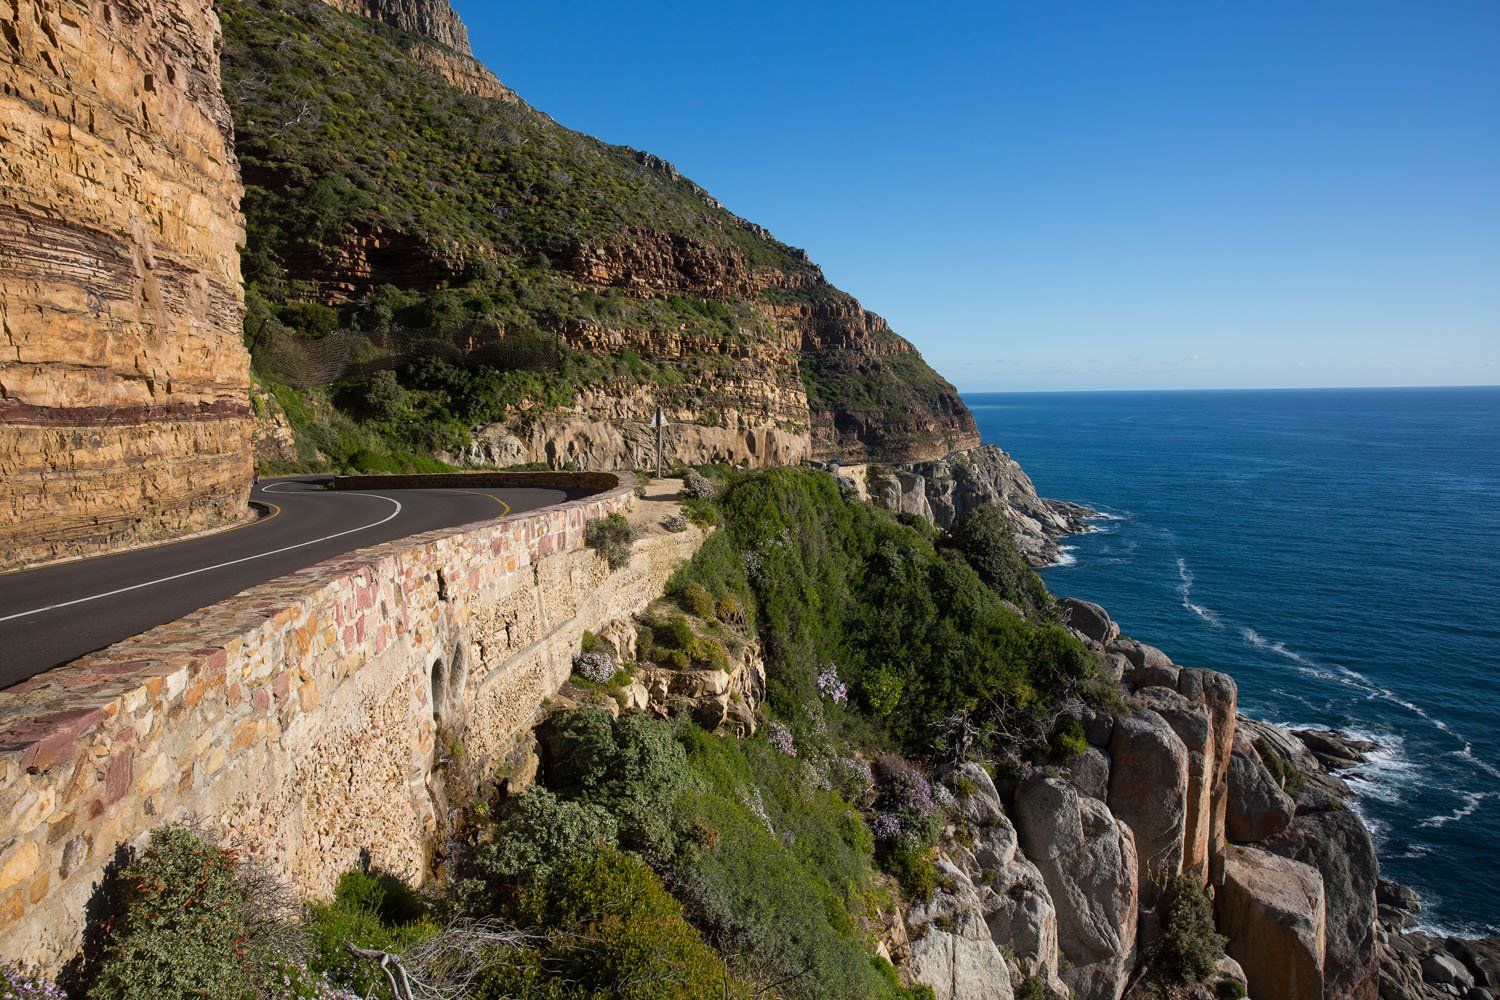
1051,874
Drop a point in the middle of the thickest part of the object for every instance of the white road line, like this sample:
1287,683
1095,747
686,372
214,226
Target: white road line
222,565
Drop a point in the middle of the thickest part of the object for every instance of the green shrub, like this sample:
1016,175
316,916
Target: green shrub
913,864
538,831
382,396
779,870
190,922
697,600
1068,741
1230,989
1190,946
1032,988
611,537
370,910
632,767
987,542
617,933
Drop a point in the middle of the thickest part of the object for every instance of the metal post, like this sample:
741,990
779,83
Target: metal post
660,434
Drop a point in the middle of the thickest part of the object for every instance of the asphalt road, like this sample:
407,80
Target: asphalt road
55,614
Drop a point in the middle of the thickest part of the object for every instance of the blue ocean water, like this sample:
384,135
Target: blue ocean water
1338,552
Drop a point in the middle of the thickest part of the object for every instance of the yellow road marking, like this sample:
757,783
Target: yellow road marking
504,507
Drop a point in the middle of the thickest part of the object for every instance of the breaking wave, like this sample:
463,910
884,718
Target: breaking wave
1185,589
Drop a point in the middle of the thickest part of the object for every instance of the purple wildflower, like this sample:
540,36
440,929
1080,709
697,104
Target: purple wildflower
596,667
17,984
830,685
885,826
780,737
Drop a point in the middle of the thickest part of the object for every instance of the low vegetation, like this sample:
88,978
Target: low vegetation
654,859
410,251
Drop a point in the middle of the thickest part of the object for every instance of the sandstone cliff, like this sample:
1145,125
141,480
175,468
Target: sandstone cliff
123,409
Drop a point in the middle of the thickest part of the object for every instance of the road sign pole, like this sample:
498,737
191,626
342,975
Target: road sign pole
661,428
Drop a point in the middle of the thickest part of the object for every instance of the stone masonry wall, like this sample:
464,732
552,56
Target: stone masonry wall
331,711
124,412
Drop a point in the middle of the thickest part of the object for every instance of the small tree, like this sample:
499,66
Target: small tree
384,399
1190,946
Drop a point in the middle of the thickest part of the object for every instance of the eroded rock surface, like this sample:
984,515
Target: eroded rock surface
124,413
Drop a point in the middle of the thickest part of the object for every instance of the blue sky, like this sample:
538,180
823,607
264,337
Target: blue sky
1079,195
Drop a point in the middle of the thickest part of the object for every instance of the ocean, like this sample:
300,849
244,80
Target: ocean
1338,553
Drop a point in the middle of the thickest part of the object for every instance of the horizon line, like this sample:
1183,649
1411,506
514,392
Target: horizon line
1267,388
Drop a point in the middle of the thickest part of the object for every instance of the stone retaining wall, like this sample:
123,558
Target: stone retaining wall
331,711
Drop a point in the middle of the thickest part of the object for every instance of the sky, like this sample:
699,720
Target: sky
1075,195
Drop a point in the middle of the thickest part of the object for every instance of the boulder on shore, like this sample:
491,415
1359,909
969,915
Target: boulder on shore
1148,789
1258,809
1088,861
1089,619
1272,910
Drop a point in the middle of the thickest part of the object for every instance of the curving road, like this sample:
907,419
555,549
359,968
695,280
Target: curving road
54,614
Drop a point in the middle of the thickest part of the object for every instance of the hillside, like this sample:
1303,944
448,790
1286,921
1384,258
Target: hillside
534,293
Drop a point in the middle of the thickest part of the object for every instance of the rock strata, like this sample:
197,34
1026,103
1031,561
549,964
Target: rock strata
124,413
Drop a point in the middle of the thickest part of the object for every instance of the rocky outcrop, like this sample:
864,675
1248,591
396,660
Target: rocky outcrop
714,699
1273,912
123,406
944,490
1149,787
1087,859
432,19
1258,808
1329,837
952,950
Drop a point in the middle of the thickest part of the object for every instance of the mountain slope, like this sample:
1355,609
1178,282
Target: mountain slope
524,279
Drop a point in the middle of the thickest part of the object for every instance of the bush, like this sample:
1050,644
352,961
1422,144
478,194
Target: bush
1190,946
538,832
192,921
1068,741
697,486
987,542
697,600
371,909
383,398
617,932
597,667
632,767
611,537
782,870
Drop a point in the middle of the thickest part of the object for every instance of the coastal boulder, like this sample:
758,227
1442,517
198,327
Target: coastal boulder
1011,895
1088,772
1272,911
1088,861
1145,665
1208,784
951,947
1257,809
1089,619
1148,790
1335,842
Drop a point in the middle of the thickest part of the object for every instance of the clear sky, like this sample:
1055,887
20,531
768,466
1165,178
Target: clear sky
1080,195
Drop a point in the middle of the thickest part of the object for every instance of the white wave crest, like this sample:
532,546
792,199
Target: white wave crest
1185,589
1472,801
1065,556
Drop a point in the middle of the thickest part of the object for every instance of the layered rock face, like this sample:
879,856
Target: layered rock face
123,380
435,21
